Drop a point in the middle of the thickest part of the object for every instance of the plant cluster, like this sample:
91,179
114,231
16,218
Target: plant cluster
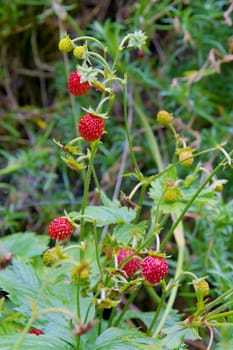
75,291
150,268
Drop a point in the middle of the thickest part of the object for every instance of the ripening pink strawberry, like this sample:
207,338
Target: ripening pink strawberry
154,269
132,265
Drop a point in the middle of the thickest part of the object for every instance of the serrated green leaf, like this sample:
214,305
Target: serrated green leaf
147,317
24,286
157,190
125,339
206,197
25,245
104,215
35,342
20,281
158,185
225,345
110,215
176,334
125,232
105,200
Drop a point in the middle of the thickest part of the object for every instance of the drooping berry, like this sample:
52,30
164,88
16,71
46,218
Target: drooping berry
78,52
91,127
75,86
60,229
66,44
132,265
36,331
186,156
203,286
164,117
154,269
52,256
140,54
218,187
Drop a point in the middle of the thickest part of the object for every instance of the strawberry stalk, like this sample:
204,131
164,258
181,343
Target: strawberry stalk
83,38
94,146
140,202
179,235
126,306
160,305
97,251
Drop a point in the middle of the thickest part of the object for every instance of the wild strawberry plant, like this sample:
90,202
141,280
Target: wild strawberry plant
76,287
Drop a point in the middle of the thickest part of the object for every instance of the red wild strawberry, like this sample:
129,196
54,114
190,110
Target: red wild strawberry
75,87
35,331
60,228
140,54
132,265
91,127
154,269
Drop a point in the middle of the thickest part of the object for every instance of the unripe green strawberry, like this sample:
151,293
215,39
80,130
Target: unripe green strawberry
203,286
132,265
52,256
81,271
66,45
186,153
140,54
219,187
91,127
154,269
75,86
172,194
60,228
78,52
164,117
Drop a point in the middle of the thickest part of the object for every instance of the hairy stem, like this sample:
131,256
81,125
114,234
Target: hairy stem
94,146
126,306
179,236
